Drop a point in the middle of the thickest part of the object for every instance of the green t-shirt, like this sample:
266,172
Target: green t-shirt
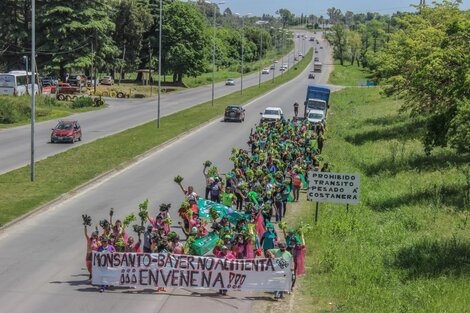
281,254
253,196
227,199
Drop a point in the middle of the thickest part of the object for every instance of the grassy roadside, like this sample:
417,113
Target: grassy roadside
348,75
63,172
405,247
16,111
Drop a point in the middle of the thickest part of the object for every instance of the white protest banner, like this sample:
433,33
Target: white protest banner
333,187
144,270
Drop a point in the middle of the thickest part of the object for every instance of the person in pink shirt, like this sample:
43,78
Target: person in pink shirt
223,253
91,245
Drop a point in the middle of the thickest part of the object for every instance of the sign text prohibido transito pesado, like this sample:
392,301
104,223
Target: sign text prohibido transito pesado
333,187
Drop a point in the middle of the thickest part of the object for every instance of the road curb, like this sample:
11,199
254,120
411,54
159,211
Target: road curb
125,165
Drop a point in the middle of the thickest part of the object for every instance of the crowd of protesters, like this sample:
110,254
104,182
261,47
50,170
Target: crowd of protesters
265,179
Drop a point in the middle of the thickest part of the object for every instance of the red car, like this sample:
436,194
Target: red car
64,88
66,131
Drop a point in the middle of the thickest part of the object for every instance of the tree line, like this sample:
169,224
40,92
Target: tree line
122,35
422,58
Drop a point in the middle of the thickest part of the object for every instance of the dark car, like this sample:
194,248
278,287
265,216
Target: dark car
66,131
234,113
49,81
311,76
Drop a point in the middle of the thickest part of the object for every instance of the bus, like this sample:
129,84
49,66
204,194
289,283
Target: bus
16,83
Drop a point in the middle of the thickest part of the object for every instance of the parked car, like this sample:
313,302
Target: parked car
64,88
271,115
66,131
107,80
76,80
234,113
49,81
230,82
265,71
311,76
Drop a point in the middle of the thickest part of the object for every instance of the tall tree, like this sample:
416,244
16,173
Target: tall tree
426,63
71,28
286,16
338,37
186,40
132,19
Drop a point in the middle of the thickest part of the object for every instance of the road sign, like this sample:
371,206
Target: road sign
333,187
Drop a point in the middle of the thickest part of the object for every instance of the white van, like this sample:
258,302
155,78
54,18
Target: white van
16,83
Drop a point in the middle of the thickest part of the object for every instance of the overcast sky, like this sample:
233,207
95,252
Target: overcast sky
318,7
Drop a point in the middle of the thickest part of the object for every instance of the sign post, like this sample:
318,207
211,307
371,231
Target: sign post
333,187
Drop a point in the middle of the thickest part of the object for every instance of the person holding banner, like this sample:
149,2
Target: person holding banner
92,244
281,253
223,253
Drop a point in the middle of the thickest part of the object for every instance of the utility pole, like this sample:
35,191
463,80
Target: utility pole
150,68
33,74
159,63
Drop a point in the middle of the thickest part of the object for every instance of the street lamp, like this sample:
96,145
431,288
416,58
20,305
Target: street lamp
243,47
213,48
33,74
159,63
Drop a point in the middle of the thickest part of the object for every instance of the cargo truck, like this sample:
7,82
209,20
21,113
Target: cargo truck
317,67
317,98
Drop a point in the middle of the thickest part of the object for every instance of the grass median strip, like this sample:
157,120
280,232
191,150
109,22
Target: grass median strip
405,247
63,172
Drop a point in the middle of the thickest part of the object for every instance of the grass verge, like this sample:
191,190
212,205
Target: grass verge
61,173
16,111
405,247
348,75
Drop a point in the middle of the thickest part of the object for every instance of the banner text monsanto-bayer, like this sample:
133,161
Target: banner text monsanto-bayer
186,271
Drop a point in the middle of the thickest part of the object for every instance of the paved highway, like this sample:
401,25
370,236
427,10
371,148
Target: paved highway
121,114
42,261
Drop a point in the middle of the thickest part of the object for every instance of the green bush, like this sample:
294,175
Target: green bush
82,102
9,113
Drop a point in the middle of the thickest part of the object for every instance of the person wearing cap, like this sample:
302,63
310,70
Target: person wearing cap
280,253
147,238
268,238
223,253
228,197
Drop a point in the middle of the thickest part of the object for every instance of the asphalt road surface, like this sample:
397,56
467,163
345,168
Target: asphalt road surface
15,145
42,266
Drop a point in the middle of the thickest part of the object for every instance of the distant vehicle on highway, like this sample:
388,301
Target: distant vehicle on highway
234,113
276,61
107,80
66,131
271,115
296,58
316,59
230,82
312,39
317,66
311,76
316,51
321,47
315,116
273,67
282,68
265,71
300,54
